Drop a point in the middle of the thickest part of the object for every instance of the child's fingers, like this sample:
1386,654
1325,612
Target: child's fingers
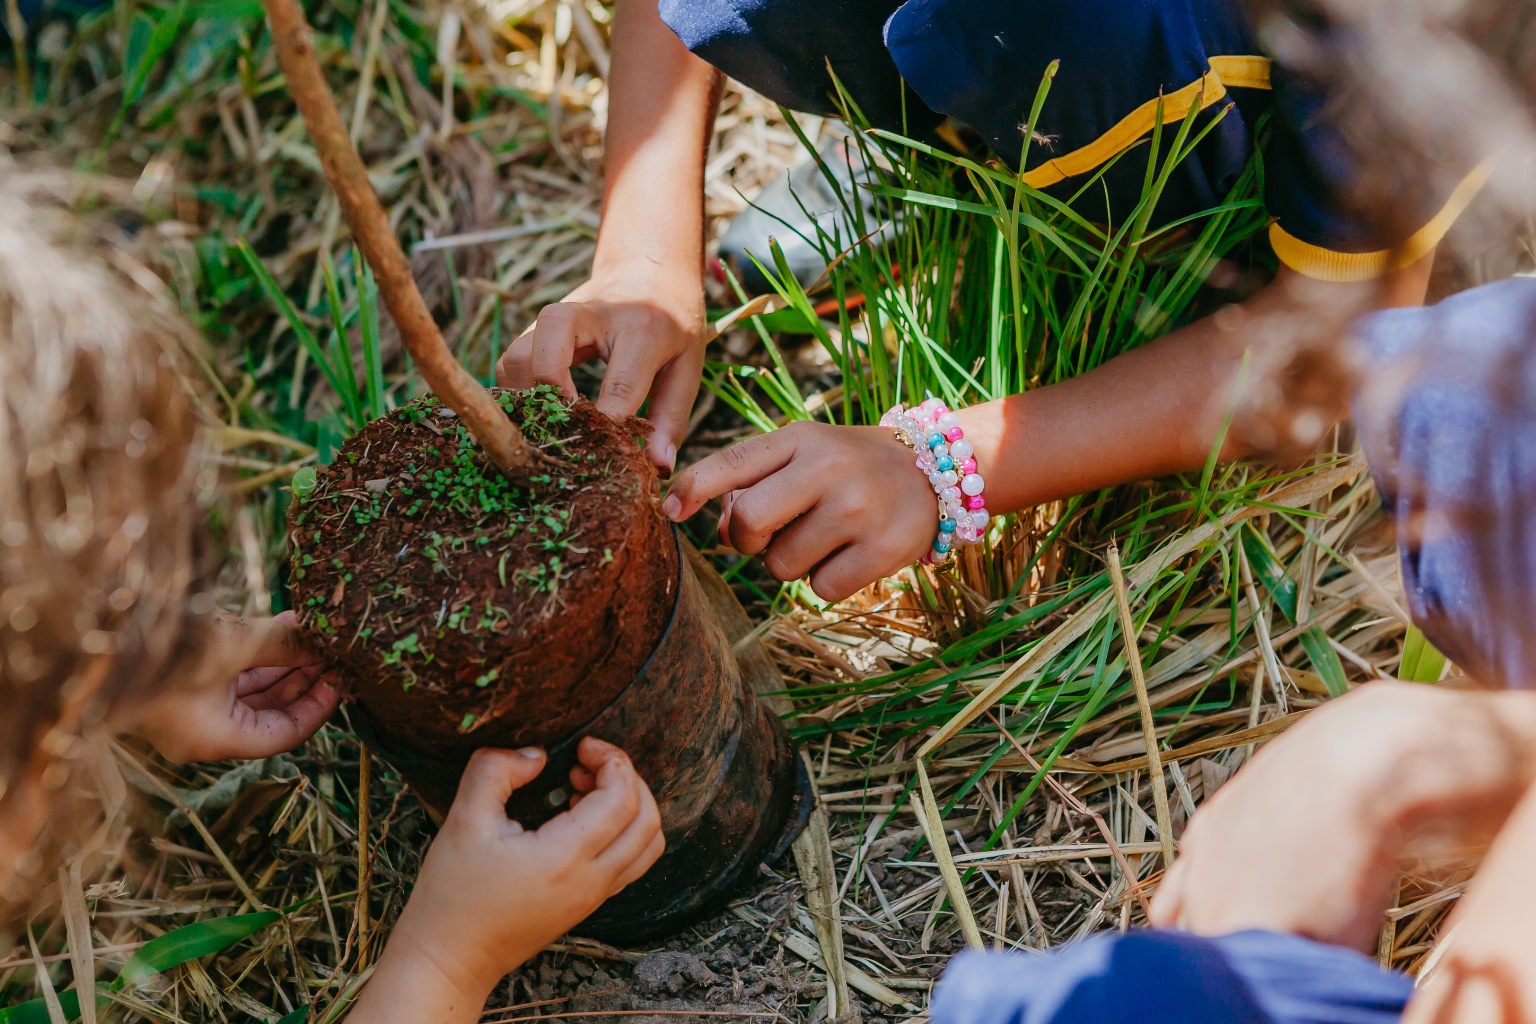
274,687
723,527
1168,902
760,512
582,779
641,864
491,778
637,836
546,351
602,815
564,334
627,379
594,753
673,391
275,730
281,645
515,367
739,466
807,542
849,571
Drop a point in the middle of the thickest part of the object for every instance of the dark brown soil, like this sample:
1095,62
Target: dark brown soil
463,610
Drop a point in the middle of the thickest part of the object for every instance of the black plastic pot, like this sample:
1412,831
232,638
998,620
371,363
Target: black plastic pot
731,789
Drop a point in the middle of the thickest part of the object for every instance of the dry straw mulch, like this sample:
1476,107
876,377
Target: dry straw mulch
504,194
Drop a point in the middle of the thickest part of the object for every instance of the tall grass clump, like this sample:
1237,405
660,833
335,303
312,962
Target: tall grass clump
973,286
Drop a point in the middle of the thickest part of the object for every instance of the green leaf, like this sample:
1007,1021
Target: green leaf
190,942
940,202
1268,571
368,312
36,1011
298,1016
1421,663
304,481
279,298
340,349
146,46
781,321
212,42
229,10
1325,661
170,950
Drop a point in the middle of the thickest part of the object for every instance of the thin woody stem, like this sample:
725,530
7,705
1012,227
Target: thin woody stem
360,205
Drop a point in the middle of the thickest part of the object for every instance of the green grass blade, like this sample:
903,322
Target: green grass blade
1325,660
342,358
160,954
190,942
1421,663
1268,570
373,366
275,294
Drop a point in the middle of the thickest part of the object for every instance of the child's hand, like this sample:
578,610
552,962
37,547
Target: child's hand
646,322
1307,837
490,894
272,706
844,505
1486,968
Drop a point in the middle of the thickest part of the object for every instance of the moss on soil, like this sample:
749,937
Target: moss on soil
458,602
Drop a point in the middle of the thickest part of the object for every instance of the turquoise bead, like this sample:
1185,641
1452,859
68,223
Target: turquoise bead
942,543
945,462
947,525
935,439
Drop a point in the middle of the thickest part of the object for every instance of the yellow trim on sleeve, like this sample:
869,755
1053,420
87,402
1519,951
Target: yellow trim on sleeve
1242,72
1326,265
1235,72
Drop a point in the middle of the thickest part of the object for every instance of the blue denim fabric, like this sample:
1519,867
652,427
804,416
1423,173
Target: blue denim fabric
1160,977
1447,419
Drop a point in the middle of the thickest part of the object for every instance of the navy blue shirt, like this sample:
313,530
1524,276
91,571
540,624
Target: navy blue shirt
981,61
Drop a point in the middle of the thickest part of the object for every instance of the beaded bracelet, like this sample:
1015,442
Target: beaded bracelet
947,459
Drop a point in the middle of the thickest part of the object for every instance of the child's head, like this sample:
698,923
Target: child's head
98,514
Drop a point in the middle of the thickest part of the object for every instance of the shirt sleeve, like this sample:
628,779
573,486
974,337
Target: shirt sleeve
1308,174
1446,413
1251,977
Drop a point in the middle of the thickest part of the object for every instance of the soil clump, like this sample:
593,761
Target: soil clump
465,610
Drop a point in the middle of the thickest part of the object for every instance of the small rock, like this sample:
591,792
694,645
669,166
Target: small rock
377,486
670,972
447,413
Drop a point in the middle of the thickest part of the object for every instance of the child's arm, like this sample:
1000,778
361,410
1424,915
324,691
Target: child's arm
272,706
1153,411
1488,970
1308,837
643,308
490,895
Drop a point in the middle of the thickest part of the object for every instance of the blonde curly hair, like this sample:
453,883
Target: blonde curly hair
99,519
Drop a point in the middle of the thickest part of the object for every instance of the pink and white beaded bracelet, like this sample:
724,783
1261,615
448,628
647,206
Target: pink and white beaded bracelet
946,458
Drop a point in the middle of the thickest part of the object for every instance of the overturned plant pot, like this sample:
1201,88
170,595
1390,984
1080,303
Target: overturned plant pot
464,610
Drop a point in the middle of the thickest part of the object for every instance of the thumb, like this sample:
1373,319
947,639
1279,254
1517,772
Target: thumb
672,394
281,644
1168,901
492,776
